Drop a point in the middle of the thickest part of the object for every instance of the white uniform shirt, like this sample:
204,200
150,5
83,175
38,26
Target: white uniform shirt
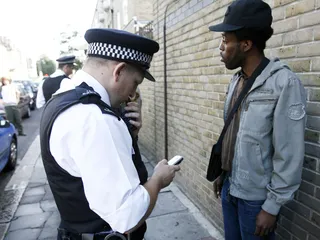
41,101
98,148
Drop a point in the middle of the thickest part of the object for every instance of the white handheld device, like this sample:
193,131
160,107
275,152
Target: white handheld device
175,160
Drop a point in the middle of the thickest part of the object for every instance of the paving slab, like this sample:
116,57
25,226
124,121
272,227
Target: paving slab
53,221
35,191
28,209
48,195
30,221
39,163
208,238
167,203
48,233
36,184
24,234
38,175
31,199
48,206
177,226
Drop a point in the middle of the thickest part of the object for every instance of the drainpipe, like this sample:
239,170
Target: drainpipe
165,80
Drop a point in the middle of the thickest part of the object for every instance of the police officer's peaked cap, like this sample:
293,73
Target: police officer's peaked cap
123,46
66,59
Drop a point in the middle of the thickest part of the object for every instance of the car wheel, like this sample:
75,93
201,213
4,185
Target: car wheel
33,106
13,155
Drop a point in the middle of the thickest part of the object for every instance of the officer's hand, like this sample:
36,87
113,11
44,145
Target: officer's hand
165,173
217,186
134,113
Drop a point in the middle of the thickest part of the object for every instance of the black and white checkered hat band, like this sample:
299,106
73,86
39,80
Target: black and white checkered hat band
119,52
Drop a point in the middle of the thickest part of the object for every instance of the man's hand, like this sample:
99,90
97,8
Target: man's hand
134,113
217,186
265,223
165,173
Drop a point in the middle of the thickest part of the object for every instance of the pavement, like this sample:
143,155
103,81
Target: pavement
28,210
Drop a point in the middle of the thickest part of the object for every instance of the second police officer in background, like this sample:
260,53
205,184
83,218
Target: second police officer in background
51,84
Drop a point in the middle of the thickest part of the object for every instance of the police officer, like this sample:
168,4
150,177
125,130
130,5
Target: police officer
51,84
92,163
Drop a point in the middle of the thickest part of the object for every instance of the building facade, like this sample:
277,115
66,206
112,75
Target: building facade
196,89
13,63
129,15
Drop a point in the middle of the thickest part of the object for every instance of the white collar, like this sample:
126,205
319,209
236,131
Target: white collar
81,76
57,73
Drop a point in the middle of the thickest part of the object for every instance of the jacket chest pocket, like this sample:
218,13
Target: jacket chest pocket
259,114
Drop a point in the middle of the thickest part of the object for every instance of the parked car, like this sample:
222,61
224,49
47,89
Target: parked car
32,90
36,85
2,111
8,145
24,101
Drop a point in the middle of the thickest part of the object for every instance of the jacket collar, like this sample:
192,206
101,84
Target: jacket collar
274,66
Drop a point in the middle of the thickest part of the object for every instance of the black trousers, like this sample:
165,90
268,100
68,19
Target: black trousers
136,235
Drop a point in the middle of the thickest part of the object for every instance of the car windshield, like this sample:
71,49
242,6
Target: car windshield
29,85
19,86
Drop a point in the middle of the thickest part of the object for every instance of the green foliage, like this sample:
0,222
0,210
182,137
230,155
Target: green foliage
78,64
46,66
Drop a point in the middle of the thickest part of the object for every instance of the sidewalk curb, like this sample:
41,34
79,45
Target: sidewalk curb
26,166
5,231
204,222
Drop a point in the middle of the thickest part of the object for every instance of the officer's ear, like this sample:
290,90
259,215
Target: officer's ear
117,71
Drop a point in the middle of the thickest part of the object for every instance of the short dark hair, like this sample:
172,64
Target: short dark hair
258,37
61,65
3,79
